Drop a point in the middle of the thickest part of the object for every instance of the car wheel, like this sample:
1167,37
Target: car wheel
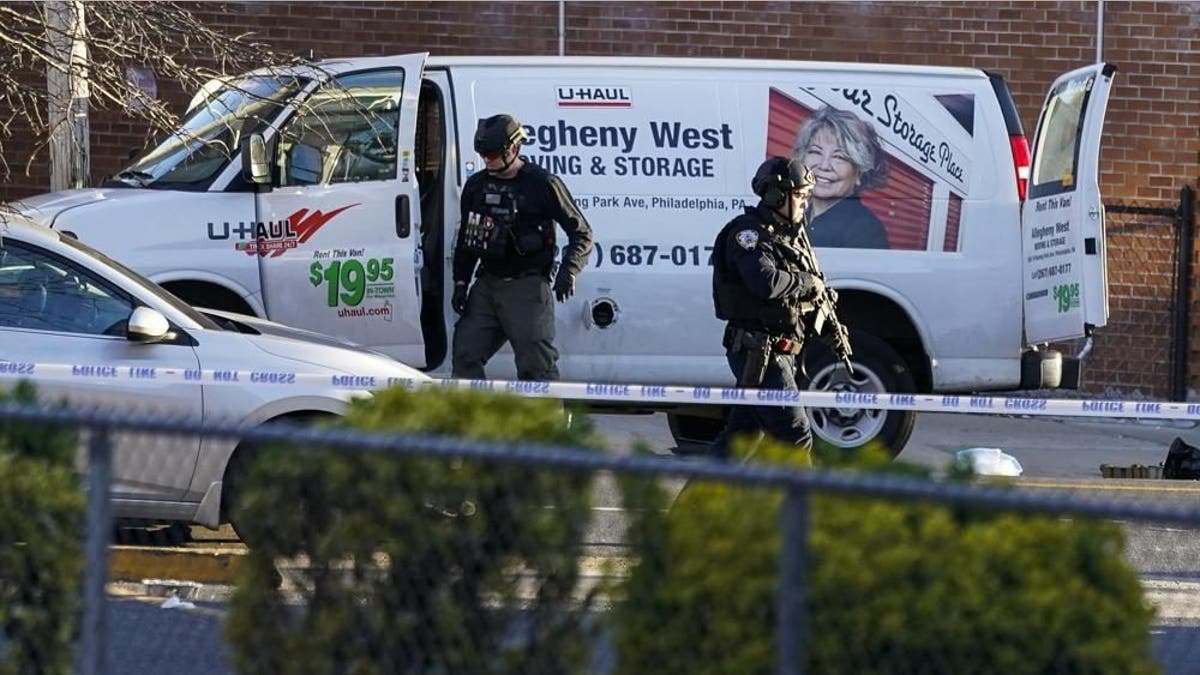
239,467
694,433
231,487
877,369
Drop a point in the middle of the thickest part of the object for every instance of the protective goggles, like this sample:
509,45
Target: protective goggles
490,150
802,191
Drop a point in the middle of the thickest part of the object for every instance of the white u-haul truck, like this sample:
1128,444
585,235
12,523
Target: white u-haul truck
326,197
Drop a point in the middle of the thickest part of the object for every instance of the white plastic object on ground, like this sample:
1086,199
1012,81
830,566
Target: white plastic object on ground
174,602
988,462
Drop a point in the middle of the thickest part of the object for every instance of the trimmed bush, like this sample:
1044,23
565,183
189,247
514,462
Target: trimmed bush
893,587
412,562
41,528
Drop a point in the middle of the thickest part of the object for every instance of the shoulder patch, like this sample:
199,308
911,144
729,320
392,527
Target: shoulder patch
747,239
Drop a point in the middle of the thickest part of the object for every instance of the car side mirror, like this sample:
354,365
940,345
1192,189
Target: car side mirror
256,168
147,325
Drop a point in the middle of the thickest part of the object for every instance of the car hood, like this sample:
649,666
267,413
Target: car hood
252,325
46,208
326,352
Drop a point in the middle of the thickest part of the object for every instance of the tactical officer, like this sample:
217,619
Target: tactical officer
507,228
761,289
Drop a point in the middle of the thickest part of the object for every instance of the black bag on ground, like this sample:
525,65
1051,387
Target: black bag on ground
1183,461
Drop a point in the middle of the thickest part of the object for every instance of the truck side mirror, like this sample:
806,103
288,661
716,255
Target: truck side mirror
256,168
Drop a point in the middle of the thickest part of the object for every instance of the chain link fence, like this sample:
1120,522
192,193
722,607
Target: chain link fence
385,552
1144,349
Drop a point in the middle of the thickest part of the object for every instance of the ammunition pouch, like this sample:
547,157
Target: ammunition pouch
488,236
494,229
485,236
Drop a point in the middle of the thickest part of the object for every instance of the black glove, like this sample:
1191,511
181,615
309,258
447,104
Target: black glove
564,285
458,302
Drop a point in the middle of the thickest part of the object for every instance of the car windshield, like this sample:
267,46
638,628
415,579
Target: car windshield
196,153
147,285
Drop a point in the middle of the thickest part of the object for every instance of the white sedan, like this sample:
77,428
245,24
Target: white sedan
86,328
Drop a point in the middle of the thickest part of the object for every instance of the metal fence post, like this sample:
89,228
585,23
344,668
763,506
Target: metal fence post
791,628
91,656
1180,331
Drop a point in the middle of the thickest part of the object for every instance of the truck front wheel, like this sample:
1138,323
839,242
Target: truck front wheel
877,369
211,296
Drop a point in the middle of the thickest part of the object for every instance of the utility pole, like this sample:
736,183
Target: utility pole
67,84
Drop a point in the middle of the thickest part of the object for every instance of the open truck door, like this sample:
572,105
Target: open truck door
339,236
1062,220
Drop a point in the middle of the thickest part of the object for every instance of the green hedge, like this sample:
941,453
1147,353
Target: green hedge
411,560
41,532
893,588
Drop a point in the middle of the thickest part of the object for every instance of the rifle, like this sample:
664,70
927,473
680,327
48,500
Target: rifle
824,316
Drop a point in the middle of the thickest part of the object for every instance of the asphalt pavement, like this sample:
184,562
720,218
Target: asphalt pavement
1047,447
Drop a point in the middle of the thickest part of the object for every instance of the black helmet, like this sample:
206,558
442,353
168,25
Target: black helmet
779,176
496,133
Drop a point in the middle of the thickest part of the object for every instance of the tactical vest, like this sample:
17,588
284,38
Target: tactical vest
734,303
495,227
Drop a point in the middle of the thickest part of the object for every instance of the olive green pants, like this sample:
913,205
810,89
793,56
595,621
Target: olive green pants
519,310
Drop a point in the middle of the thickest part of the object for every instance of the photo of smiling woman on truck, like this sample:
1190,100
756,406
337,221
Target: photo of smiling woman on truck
845,155
891,164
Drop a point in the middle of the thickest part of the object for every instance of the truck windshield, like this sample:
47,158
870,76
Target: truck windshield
196,153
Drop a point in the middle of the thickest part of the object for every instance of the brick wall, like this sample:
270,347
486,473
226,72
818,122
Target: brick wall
1133,352
1150,149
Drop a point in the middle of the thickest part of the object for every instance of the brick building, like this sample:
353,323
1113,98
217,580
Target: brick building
1151,147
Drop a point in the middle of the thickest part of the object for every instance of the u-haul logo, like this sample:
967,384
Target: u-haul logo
274,237
593,96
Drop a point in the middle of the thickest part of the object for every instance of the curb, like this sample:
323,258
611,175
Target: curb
154,590
1100,484
180,569
209,575
209,565
1175,602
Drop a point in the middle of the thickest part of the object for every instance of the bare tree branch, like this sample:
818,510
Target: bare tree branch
121,34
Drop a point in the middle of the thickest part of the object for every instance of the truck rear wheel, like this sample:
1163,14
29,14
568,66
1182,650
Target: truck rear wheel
877,369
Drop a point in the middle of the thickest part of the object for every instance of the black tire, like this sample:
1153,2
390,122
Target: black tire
240,465
235,476
877,369
693,433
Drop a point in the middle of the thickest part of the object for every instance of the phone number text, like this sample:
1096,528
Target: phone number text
650,254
